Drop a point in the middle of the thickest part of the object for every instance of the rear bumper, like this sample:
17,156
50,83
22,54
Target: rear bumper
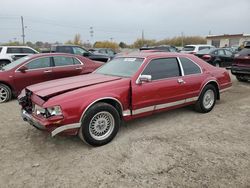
240,70
39,125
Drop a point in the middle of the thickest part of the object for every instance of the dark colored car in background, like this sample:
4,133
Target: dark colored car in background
107,51
78,50
241,65
216,56
161,48
38,68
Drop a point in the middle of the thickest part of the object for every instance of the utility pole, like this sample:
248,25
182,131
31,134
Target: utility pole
91,31
142,37
182,36
23,35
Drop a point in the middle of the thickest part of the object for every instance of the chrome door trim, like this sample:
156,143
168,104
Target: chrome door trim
164,105
171,104
81,63
143,110
64,128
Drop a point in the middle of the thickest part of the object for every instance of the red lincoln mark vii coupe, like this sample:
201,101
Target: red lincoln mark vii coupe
128,87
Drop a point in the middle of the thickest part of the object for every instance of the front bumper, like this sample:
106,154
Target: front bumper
46,126
29,118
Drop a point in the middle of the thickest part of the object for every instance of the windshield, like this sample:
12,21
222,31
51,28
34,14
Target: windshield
123,67
15,63
188,48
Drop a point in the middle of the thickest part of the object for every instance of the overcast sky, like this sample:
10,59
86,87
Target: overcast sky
121,20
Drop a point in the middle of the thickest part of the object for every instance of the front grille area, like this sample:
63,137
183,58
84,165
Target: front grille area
25,101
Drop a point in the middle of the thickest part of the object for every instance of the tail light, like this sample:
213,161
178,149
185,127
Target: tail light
206,57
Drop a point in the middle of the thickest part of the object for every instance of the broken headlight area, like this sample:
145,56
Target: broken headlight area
47,112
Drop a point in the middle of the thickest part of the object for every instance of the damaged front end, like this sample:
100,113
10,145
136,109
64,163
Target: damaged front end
49,119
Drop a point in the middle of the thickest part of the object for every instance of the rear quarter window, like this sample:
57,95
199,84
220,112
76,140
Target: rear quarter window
189,67
11,50
28,51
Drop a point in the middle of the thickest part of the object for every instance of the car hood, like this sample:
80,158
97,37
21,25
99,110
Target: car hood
55,87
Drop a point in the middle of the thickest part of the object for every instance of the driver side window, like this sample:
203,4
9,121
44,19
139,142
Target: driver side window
39,63
162,68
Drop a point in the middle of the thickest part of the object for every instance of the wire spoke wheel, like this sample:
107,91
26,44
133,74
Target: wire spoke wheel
209,99
3,94
101,125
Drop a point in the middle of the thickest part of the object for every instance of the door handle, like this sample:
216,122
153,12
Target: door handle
181,81
47,71
78,68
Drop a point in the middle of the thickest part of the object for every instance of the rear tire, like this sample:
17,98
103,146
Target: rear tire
100,124
207,99
5,93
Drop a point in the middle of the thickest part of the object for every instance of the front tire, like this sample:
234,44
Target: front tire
5,93
100,124
207,99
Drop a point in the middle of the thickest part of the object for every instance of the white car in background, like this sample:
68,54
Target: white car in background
192,49
12,53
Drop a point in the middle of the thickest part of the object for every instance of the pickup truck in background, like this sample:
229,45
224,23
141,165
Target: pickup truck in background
78,50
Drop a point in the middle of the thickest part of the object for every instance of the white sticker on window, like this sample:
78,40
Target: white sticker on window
130,59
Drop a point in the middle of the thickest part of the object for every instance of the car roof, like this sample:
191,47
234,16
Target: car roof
198,45
142,54
53,54
16,46
67,45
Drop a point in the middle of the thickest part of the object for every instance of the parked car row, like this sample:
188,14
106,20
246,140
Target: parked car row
78,50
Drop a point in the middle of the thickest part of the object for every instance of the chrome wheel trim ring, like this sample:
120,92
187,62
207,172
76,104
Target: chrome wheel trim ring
101,125
3,94
208,99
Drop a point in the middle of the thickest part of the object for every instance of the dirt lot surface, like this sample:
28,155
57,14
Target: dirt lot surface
180,148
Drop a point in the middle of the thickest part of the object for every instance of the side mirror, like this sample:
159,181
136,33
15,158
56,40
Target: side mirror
23,69
85,54
144,78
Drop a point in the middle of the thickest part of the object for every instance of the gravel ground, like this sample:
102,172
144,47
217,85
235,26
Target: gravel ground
180,148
